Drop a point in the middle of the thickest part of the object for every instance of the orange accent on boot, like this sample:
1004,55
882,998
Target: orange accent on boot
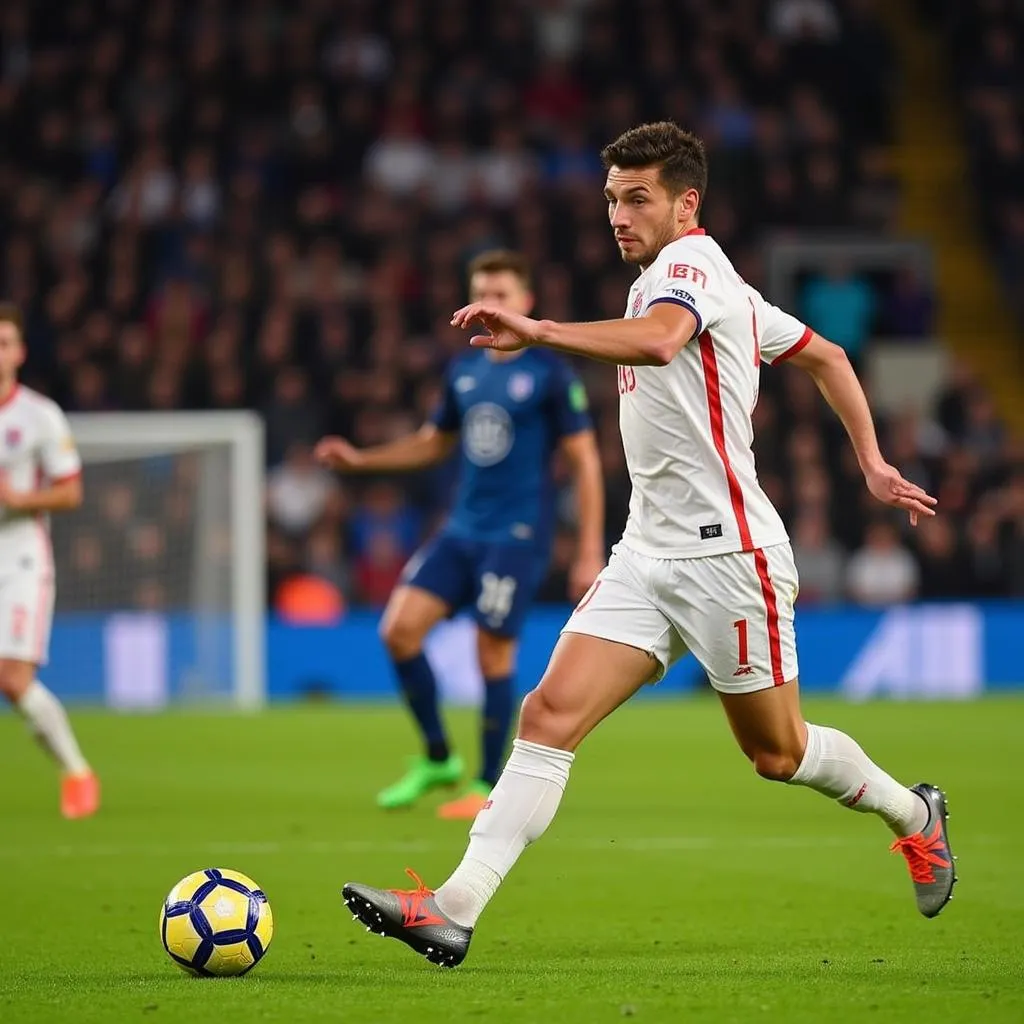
922,853
79,795
415,913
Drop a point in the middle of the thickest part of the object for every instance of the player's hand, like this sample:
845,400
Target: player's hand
508,332
336,453
582,573
887,484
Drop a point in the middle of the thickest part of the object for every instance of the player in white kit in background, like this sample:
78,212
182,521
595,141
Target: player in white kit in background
40,473
704,564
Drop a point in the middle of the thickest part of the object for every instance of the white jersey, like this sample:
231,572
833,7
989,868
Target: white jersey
36,450
686,427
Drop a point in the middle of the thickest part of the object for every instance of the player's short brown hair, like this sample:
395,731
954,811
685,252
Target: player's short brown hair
679,155
10,314
494,261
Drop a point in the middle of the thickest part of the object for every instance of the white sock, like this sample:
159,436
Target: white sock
835,765
520,808
48,720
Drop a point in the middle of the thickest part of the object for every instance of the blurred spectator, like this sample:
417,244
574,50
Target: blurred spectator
292,415
945,571
325,558
909,310
400,161
378,567
820,560
276,214
298,491
804,19
383,512
882,571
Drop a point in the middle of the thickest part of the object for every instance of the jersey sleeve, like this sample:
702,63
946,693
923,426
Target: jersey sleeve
687,278
58,454
446,415
780,335
568,406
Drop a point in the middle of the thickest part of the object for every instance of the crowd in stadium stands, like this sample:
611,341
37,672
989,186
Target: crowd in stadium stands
986,40
213,204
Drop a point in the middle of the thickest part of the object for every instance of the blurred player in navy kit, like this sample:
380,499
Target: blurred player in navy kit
511,412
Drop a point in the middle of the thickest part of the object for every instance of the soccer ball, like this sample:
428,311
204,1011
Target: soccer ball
216,923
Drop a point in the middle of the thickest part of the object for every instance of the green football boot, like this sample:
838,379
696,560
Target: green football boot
423,776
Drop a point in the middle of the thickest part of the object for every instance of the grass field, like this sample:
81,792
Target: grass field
674,885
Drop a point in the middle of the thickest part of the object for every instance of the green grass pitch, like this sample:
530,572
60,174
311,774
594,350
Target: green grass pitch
674,885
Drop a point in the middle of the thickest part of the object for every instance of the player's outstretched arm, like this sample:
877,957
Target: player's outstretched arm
427,446
654,339
832,372
60,496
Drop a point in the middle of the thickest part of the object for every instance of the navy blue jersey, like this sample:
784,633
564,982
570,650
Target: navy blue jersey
510,415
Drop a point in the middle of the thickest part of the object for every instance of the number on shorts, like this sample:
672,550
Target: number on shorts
742,653
496,596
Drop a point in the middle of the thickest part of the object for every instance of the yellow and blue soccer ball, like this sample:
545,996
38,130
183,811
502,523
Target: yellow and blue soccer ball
216,923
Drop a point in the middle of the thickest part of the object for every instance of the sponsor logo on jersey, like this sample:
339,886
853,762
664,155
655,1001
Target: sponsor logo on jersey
520,386
638,304
711,532
464,384
685,296
487,434
685,272
12,437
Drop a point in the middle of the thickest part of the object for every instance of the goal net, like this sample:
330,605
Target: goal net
160,573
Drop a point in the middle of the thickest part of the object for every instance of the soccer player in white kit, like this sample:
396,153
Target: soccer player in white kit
704,564
40,473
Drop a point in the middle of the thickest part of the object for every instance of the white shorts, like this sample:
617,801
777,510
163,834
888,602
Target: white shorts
734,612
26,615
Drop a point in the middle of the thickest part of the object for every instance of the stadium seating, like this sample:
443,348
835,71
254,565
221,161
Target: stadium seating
202,207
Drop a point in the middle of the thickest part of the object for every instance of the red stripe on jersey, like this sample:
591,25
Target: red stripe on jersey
44,540
39,643
772,608
753,328
714,393
795,347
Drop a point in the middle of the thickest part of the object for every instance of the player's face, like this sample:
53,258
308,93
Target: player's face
501,288
12,350
644,217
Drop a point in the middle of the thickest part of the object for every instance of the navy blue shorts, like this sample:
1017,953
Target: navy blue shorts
495,581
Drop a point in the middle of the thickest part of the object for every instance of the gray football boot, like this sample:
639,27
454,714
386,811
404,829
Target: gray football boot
411,915
931,862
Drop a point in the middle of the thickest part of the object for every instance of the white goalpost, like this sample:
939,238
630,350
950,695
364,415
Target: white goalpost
167,555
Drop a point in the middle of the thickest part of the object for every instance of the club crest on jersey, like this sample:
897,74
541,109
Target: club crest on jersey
12,437
638,304
520,386
487,434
